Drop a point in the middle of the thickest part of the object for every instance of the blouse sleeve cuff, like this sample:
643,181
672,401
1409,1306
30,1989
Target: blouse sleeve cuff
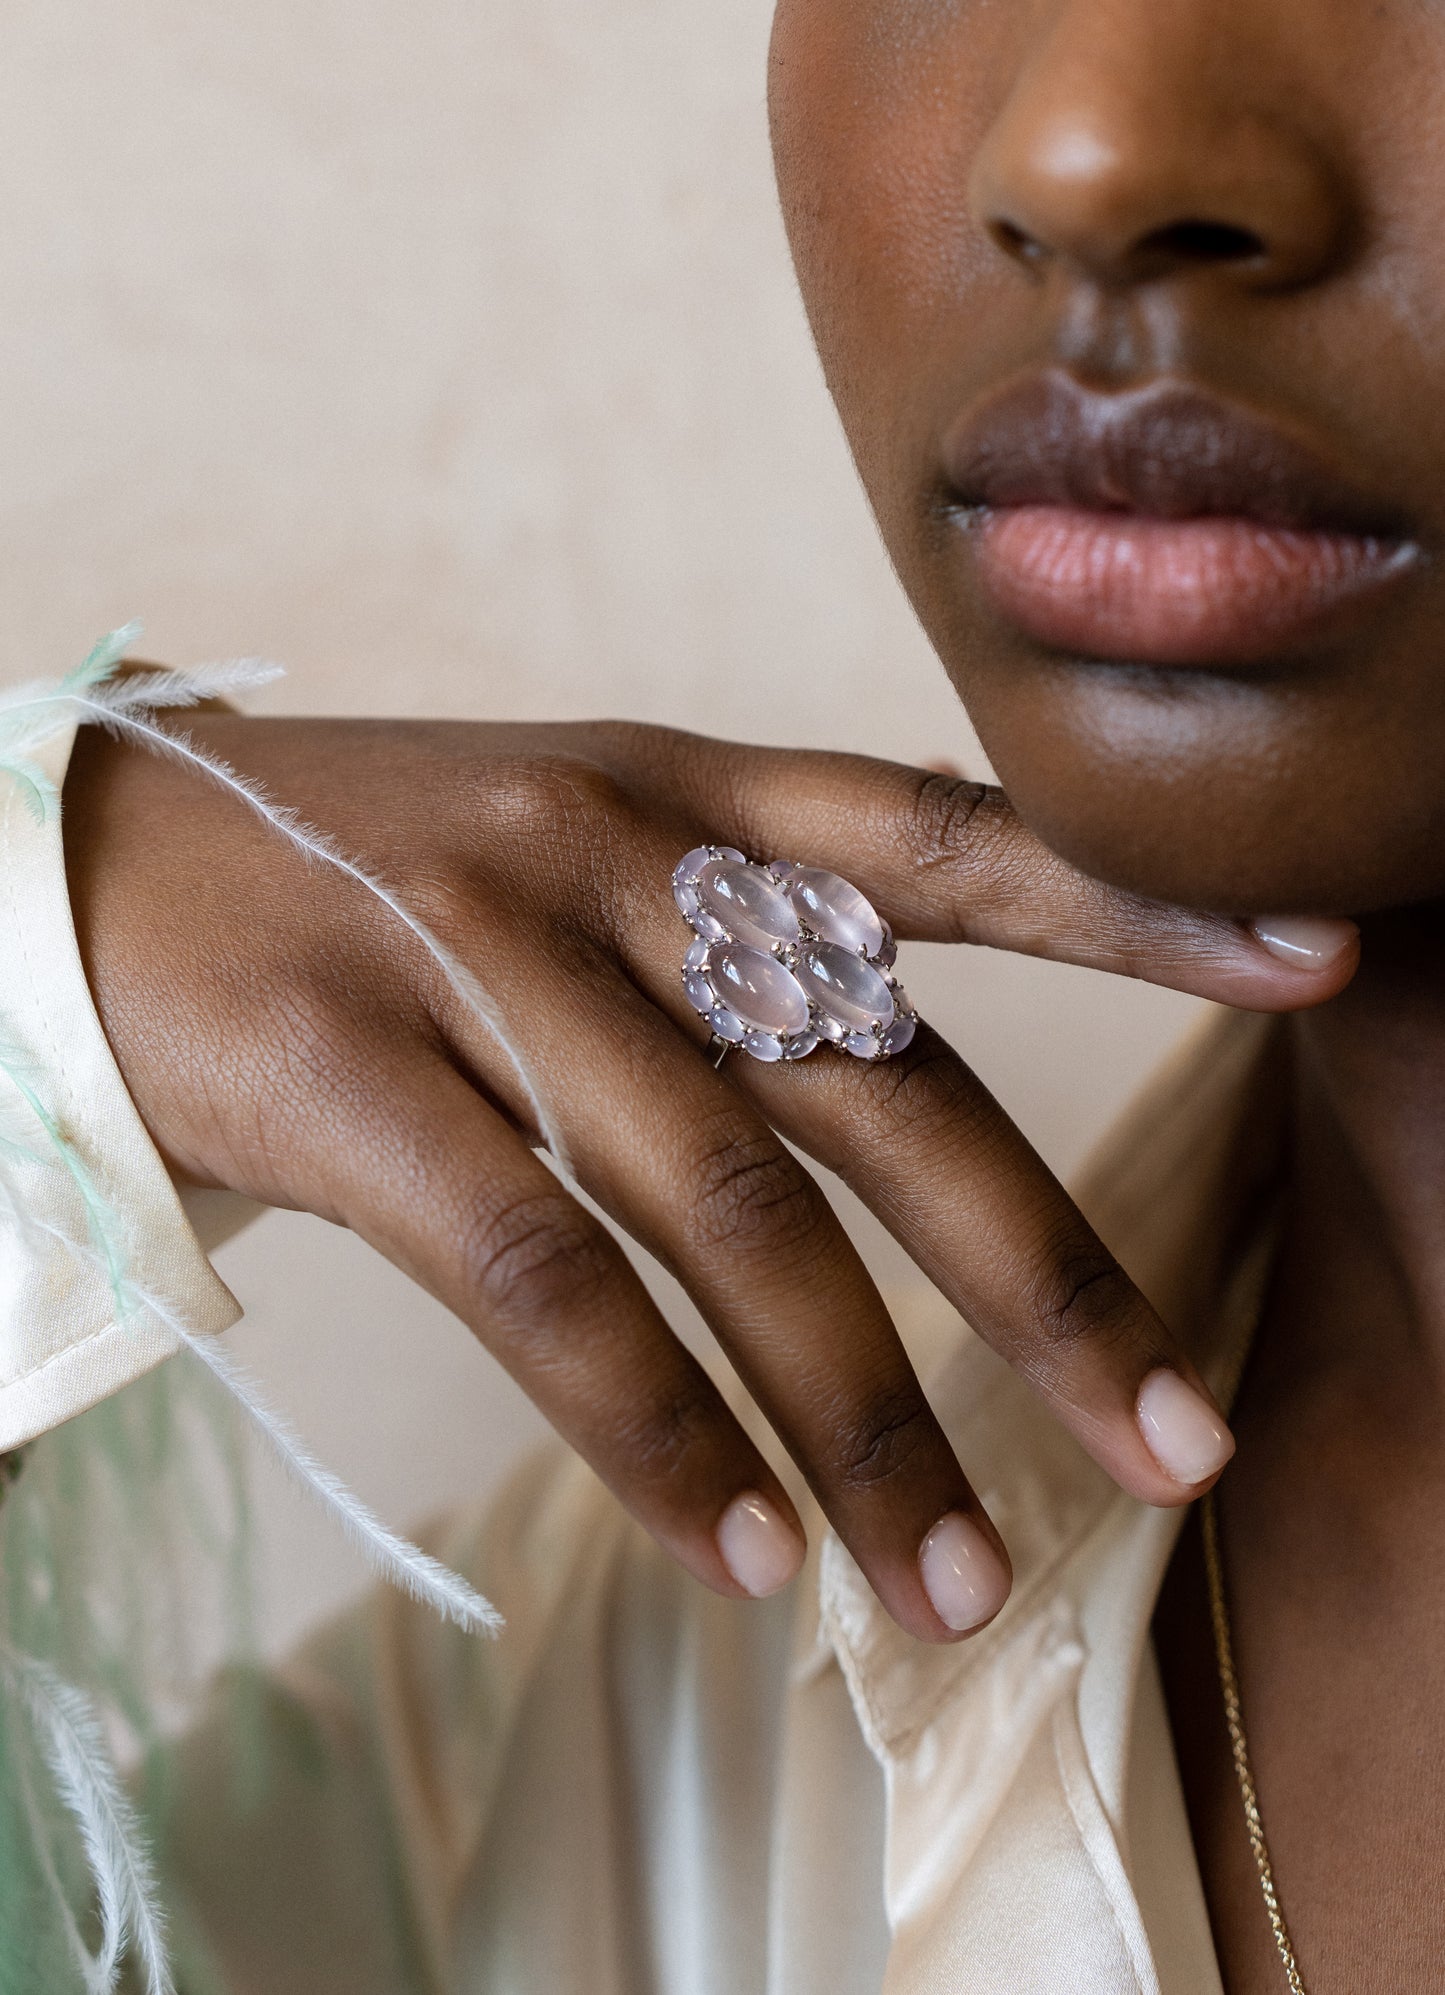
91,1227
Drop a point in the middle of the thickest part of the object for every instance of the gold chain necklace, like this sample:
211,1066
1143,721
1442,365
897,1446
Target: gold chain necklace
1239,1746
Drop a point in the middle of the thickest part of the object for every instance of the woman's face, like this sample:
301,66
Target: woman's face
1134,311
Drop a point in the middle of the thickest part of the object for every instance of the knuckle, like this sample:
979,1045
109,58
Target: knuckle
315,1038
536,1262
665,1432
747,1191
544,794
561,823
923,1104
1085,1298
949,819
919,1089
882,1440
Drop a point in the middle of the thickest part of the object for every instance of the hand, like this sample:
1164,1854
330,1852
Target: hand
284,1036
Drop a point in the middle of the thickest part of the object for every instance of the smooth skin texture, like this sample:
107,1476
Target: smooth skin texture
285,1037
1239,199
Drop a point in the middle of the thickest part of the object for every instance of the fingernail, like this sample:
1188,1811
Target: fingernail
1310,942
963,1575
759,1549
1182,1431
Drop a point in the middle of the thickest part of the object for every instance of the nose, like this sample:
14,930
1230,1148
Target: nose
1144,142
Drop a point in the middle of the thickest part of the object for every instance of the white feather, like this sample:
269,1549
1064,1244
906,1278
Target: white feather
189,687
395,1558
115,1847
391,1556
97,1970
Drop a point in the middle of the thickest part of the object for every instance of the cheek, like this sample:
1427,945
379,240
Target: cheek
875,122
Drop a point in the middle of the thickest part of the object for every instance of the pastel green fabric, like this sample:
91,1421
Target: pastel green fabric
123,1567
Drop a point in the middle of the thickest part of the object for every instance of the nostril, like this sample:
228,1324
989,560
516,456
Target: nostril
1015,242
1198,241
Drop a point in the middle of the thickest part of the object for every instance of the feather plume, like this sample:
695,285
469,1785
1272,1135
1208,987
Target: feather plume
98,1971
391,1556
395,1558
103,657
115,1847
39,792
189,687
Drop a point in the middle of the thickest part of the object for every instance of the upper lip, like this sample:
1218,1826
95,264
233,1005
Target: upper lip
1166,450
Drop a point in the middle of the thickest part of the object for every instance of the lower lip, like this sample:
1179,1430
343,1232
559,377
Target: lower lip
1200,592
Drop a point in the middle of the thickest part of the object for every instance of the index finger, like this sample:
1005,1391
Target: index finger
948,860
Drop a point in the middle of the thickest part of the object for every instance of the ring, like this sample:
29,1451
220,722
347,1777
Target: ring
785,958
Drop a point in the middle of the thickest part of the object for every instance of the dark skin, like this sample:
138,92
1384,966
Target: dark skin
975,188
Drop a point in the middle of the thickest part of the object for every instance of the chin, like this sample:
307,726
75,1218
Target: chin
1226,794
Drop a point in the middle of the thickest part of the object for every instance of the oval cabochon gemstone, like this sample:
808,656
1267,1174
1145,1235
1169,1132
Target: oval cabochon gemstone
836,910
699,990
846,987
727,1025
757,988
751,906
899,1035
689,867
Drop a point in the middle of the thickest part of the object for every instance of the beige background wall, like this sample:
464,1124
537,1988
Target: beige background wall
449,352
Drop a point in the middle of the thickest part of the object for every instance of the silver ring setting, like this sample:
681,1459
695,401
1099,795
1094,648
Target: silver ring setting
786,958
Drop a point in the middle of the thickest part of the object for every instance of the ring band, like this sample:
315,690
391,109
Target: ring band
785,958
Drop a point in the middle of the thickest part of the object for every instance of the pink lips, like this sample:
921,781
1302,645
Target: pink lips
1162,524
1211,591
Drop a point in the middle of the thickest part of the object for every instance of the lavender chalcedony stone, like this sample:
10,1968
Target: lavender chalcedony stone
699,990
899,1034
751,906
844,986
692,910
834,909
700,856
757,988
727,1025
692,865
684,891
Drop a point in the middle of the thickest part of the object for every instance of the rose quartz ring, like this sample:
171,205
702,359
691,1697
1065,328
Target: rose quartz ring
786,958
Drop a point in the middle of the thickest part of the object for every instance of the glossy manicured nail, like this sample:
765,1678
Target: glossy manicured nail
1309,942
759,1549
963,1575
1182,1431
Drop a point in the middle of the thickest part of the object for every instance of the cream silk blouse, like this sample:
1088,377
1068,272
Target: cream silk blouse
641,1789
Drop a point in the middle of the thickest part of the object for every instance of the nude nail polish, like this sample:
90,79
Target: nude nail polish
963,1576
1188,1438
1309,942
759,1548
